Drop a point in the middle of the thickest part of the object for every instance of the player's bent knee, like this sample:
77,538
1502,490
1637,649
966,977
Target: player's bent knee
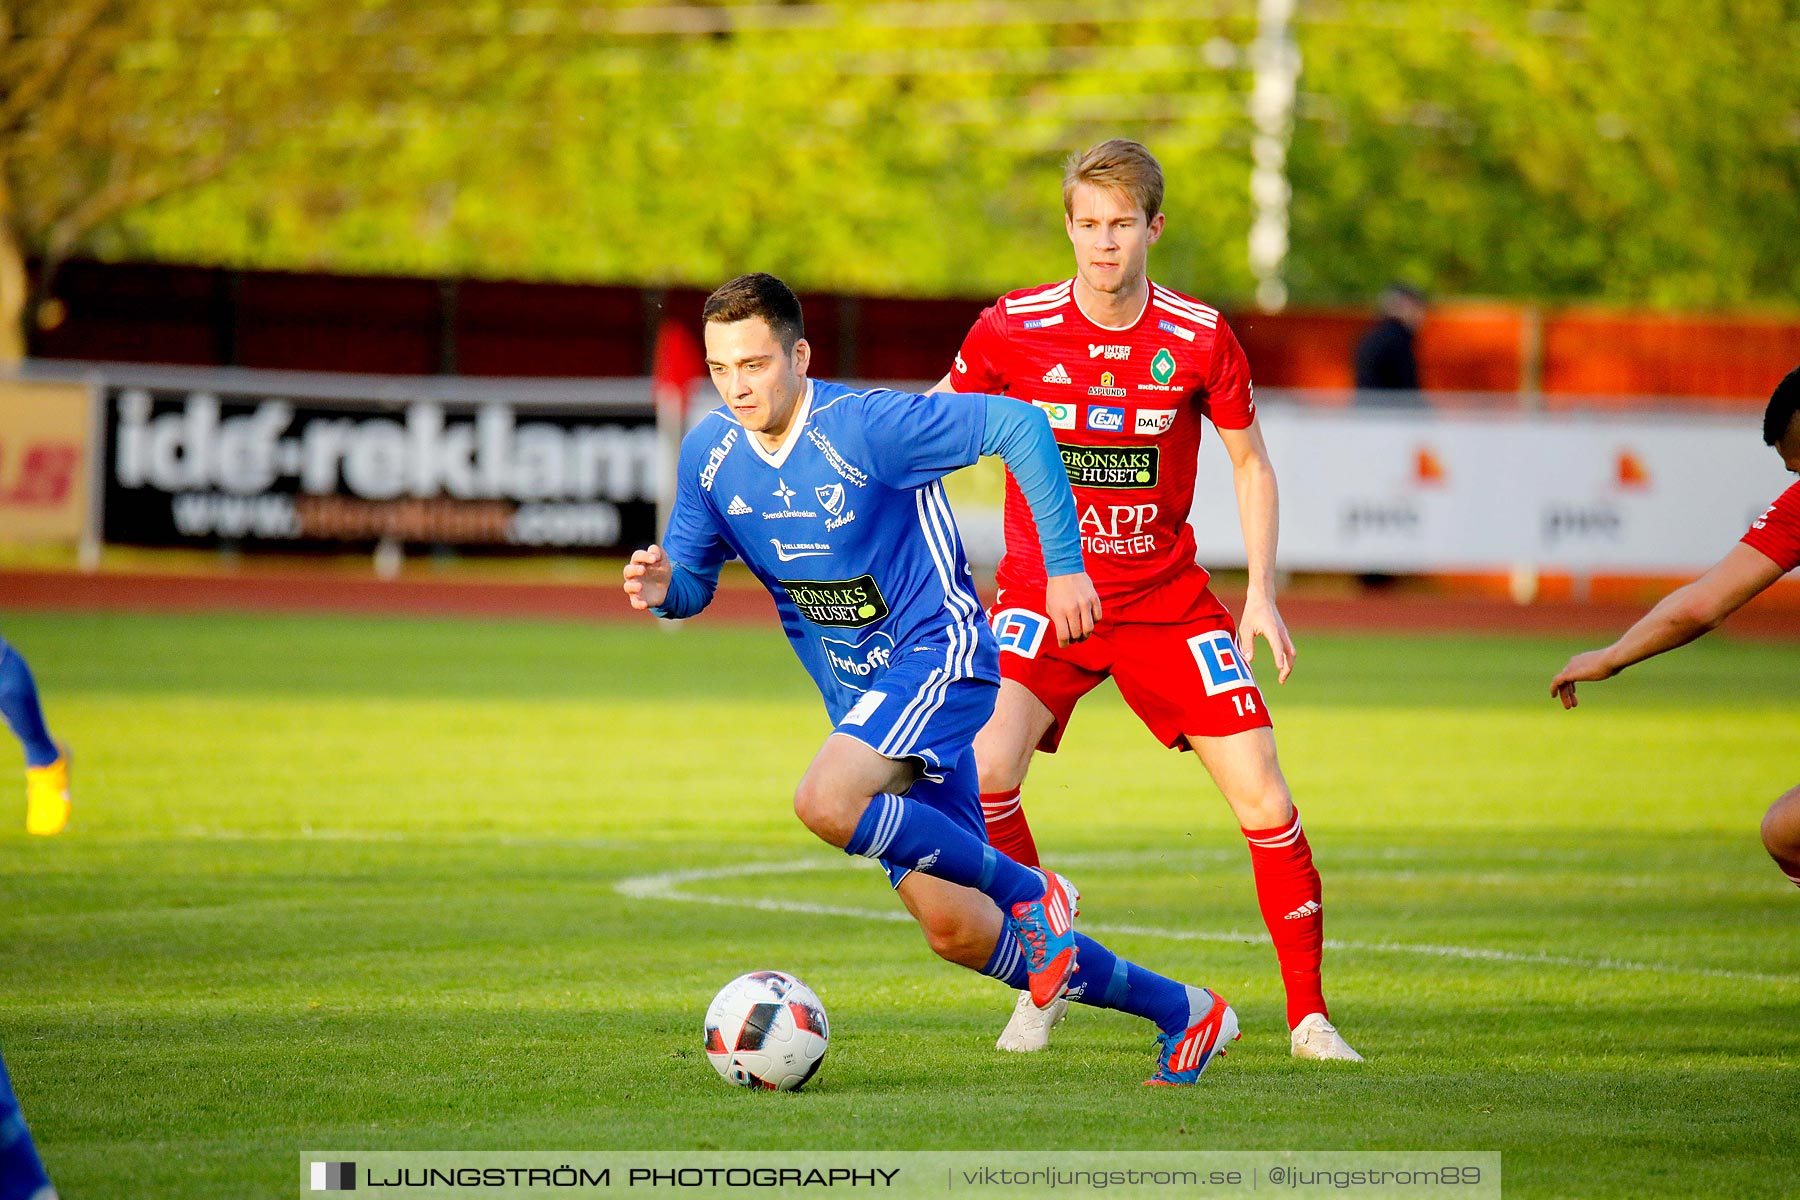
1268,808
1000,763
997,776
1781,828
826,811
953,937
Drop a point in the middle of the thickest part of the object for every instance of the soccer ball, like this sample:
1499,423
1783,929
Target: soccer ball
766,1030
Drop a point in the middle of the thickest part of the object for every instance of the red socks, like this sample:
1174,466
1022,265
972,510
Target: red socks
1288,892
1006,828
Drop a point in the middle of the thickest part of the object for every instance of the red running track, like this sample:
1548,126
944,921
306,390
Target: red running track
70,591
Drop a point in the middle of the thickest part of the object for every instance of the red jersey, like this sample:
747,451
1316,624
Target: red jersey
1126,407
1776,533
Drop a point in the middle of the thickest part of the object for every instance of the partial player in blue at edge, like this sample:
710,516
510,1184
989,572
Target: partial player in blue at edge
833,498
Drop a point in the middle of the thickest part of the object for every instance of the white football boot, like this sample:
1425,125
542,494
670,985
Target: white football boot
1028,1029
1315,1037
1030,1026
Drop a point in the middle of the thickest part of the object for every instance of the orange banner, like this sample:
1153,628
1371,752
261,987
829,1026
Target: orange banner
44,429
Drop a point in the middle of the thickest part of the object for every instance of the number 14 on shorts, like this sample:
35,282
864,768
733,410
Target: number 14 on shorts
1223,669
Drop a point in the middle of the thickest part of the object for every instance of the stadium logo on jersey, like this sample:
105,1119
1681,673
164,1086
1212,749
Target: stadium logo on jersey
1152,422
1162,367
1044,322
1186,335
856,664
1108,386
737,508
1057,374
1105,417
1020,630
1110,353
1111,466
844,603
851,474
789,551
717,456
1222,668
1062,416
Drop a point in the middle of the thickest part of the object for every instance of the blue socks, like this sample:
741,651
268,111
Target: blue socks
914,835
19,705
1102,980
21,1171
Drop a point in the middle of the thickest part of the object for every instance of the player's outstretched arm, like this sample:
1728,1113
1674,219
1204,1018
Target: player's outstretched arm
1678,618
1259,515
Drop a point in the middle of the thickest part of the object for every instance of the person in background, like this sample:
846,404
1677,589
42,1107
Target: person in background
1386,361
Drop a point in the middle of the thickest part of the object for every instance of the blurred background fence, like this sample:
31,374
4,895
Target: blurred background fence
434,212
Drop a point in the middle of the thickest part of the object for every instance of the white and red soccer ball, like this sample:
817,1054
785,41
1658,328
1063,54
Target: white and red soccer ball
766,1030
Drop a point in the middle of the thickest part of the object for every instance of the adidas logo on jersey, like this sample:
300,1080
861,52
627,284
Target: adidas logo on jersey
737,507
1056,374
1310,908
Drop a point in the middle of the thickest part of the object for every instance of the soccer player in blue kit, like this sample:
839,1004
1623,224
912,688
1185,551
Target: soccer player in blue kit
833,499
46,763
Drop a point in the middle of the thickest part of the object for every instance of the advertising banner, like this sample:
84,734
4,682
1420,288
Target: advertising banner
44,430
268,471
1400,492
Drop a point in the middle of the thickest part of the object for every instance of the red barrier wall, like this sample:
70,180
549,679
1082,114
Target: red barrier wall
211,316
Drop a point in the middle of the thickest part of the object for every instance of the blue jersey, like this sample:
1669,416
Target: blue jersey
848,527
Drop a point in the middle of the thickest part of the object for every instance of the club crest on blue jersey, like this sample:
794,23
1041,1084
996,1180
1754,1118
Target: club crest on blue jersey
1222,668
1020,631
858,664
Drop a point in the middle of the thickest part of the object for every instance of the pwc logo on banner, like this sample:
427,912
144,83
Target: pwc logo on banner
1605,519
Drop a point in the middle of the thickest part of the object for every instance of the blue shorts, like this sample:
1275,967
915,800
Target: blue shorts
914,712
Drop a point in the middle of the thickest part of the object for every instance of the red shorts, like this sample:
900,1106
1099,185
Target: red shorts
1172,651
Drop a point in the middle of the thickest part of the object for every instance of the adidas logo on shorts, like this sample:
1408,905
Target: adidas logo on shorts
737,508
1056,374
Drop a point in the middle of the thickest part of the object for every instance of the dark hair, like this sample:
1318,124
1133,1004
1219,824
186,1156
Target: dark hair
758,295
1782,407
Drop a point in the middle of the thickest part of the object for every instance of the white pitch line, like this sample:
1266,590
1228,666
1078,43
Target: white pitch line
667,886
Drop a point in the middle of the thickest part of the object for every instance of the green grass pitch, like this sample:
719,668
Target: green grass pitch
404,884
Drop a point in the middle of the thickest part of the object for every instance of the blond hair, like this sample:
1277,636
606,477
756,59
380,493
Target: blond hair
1121,164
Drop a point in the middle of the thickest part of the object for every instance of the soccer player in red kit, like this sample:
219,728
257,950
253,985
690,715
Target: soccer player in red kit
1769,550
1126,369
